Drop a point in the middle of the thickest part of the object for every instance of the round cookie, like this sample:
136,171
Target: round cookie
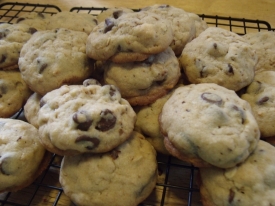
141,83
22,156
53,58
14,93
84,119
113,12
124,176
73,21
131,37
250,183
219,56
206,124
31,109
183,26
148,123
261,94
260,41
12,39
38,20
200,24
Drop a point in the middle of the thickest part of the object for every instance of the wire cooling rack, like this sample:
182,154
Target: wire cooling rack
176,181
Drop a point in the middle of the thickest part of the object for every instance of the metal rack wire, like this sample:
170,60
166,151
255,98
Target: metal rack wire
176,178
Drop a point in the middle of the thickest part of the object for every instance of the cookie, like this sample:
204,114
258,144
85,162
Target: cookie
250,183
53,58
73,21
141,83
206,124
131,37
31,109
148,125
219,56
260,94
14,93
12,39
113,12
183,26
124,176
260,41
38,20
22,156
84,119
200,24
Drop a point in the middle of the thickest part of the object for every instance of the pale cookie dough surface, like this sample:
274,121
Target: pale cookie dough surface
250,183
12,39
21,154
74,21
125,176
31,109
53,58
79,119
113,12
141,83
219,56
200,24
207,124
37,20
131,37
261,96
14,93
148,123
183,26
262,43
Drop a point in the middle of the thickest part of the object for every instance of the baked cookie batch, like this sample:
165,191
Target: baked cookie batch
109,92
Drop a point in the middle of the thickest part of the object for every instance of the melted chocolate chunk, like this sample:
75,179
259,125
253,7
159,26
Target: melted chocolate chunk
42,68
3,33
114,153
211,98
164,6
86,138
230,69
96,22
215,45
89,82
242,114
263,100
32,30
83,120
109,24
42,102
3,165
231,196
3,58
3,89
20,19
107,121
117,14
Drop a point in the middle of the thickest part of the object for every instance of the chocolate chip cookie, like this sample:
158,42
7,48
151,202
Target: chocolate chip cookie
52,58
124,176
206,124
141,83
22,156
219,56
84,119
131,37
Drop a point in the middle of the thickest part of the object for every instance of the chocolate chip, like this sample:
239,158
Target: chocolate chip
32,30
3,89
109,24
149,60
241,112
231,196
164,6
263,100
42,68
215,45
117,14
42,102
3,33
211,98
230,69
41,15
4,166
114,153
89,82
20,19
3,58
85,138
83,120
107,121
